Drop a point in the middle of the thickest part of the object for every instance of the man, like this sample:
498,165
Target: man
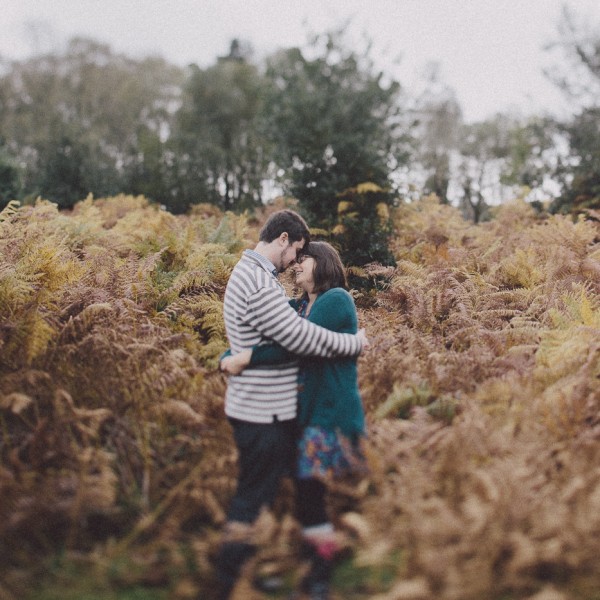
261,402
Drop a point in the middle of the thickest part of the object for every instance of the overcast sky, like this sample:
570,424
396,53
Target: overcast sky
490,51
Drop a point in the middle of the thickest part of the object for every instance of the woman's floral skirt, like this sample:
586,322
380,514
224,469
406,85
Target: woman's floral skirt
328,454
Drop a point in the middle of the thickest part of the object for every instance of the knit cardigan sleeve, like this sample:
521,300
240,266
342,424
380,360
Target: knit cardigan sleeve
333,310
279,322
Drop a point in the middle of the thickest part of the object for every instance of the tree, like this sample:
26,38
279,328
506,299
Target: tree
578,73
217,135
75,118
531,152
438,124
579,172
483,146
364,225
334,123
10,178
499,154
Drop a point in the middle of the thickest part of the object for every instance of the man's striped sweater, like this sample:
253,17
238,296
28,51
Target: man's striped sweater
256,310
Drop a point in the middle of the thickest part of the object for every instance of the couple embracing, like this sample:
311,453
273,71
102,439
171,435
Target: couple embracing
292,395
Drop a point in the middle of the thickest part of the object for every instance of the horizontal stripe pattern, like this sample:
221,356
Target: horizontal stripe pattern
256,310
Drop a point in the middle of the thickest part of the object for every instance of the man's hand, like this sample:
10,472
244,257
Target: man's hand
235,364
362,336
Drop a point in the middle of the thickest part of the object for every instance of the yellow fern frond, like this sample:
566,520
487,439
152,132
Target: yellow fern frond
521,270
368,186
35,334
318,232
383,211
9,210
343,206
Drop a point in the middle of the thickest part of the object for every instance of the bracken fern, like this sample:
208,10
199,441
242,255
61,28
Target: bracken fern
481,390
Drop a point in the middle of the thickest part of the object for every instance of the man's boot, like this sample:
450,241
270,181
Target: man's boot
230,561
316,582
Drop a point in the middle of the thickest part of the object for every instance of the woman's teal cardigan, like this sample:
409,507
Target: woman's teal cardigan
328,393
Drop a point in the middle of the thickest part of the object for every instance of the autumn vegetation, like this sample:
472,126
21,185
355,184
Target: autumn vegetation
481,387
473,253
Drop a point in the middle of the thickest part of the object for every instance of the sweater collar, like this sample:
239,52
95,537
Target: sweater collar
264,262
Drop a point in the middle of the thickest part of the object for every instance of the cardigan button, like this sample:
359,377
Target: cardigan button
300,387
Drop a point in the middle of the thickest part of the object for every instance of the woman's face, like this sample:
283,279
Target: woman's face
304,269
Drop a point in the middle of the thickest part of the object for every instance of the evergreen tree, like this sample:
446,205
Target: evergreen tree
334,122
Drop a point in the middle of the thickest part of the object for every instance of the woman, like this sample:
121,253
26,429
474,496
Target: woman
330,412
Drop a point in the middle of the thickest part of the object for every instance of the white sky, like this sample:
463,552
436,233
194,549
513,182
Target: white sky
490,51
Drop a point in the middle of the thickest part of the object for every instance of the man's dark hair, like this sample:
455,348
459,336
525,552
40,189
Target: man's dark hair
329,271
285,221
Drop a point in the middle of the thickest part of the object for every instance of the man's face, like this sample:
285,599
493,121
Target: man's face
289,254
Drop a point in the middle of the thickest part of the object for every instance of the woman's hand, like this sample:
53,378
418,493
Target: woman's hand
236,363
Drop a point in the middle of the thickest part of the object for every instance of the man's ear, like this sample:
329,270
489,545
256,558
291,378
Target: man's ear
284,238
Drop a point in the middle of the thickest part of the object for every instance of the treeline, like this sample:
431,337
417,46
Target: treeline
313,123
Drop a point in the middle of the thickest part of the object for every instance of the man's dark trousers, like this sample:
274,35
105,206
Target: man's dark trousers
266,453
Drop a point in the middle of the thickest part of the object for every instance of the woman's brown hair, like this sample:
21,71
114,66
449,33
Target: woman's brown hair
329,271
